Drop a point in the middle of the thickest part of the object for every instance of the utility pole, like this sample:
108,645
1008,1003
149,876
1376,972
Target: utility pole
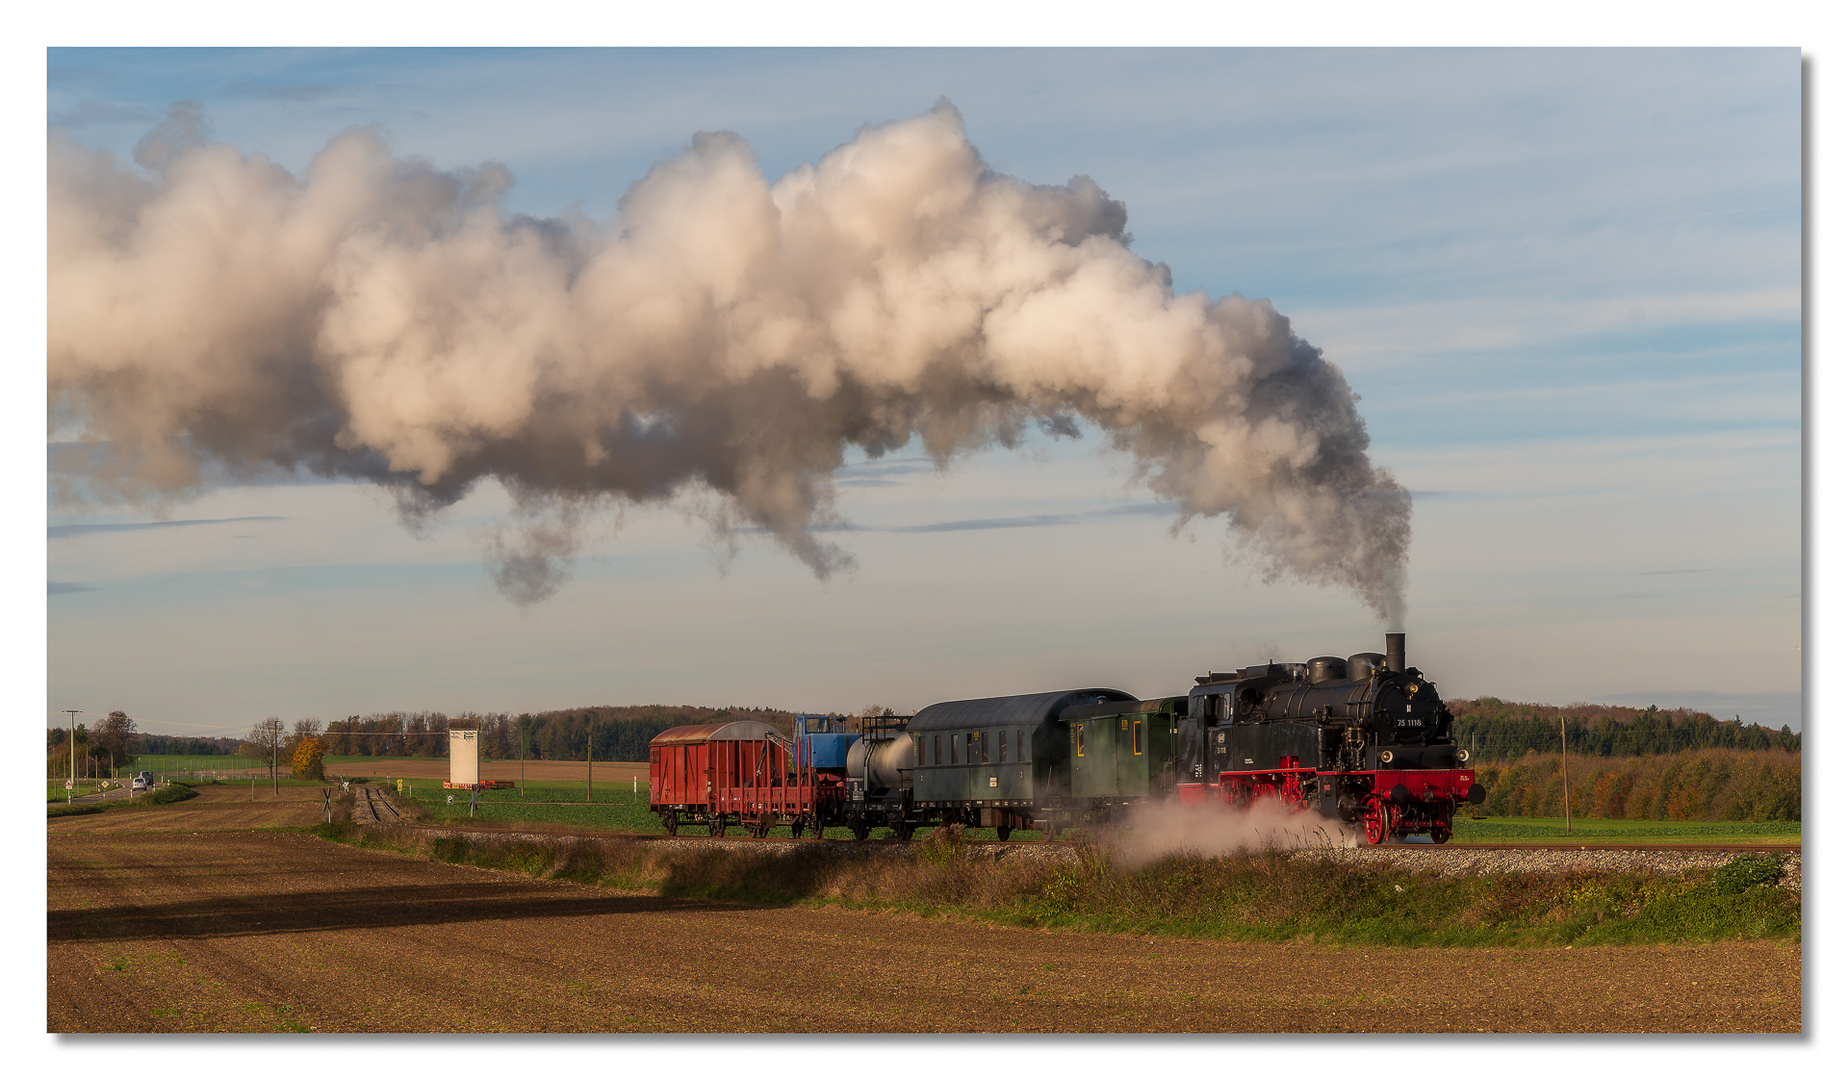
70,789
1565,783
521,728
275,727
586,762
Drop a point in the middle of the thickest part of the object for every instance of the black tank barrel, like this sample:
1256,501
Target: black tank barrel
1395,652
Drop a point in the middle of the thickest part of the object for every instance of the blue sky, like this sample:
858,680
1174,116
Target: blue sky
1565,284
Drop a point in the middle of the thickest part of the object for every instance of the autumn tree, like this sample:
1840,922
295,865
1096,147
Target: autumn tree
307,758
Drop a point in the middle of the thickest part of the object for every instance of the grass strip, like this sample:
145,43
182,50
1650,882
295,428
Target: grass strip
1271,897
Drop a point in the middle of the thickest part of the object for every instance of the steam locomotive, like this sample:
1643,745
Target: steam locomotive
1363,740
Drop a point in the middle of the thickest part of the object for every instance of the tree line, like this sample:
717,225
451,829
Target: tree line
604,732
1497,730
99,750
1689,785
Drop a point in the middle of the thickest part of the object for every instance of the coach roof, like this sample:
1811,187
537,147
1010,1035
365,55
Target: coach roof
730,731
1029,710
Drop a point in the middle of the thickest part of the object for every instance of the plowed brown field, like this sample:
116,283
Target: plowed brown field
165,920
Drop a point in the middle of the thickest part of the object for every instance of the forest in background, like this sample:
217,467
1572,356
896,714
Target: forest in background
1690,785
1497,730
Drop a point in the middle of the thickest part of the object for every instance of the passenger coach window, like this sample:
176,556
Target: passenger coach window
1078,738
952,749
938,742
974,738
1135,737
1004,746
1020,745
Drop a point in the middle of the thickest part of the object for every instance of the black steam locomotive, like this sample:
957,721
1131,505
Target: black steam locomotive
1365,740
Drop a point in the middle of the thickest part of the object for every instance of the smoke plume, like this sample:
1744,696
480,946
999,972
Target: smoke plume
723,338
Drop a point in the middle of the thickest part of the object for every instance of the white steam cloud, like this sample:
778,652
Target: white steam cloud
1154,830
723,338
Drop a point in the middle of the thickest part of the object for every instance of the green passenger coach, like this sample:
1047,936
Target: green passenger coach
997,762
1121,752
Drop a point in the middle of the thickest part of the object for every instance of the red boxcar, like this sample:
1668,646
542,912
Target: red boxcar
742,773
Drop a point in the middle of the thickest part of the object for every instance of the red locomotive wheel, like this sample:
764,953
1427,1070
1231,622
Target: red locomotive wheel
1440,834
1374,822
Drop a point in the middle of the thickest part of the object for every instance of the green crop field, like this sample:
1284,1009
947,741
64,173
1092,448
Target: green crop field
1615,831
176,764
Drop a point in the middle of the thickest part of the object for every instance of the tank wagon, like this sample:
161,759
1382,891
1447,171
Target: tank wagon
1363,740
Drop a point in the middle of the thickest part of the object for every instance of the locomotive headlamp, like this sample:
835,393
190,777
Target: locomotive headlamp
1385,757
1462,755
1411,688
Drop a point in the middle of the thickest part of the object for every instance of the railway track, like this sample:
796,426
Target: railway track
380,808
383,812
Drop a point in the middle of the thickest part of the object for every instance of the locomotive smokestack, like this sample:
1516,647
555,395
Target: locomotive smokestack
1395,652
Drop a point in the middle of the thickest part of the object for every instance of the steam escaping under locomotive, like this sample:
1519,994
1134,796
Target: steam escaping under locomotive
1363,740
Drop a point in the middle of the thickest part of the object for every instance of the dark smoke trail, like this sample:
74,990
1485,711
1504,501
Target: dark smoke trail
724,334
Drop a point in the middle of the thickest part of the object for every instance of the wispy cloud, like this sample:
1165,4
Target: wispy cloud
300,95
880,473
59,588
57,532
1037,521
1658,573
90,112
1025,521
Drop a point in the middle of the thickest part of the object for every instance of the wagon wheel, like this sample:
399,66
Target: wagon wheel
1440,834
796,827
861,830
765,824
671,821
717,826
1002,832
1049,829
1374,822
904,829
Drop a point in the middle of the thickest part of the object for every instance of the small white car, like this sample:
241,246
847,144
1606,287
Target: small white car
142,781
